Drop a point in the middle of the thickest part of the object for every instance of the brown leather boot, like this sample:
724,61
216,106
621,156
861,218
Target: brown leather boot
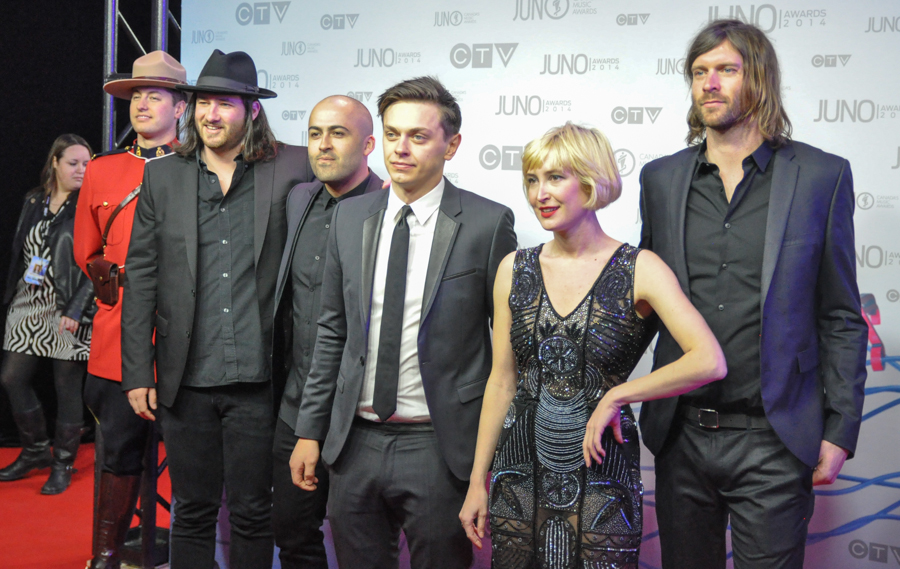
35,445
118,496
65,448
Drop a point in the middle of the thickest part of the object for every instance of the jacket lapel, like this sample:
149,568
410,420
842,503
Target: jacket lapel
263,185
370,233
297,205
445,230
784,183
188,208
678,206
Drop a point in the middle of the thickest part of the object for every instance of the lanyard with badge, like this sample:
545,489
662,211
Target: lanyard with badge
37,267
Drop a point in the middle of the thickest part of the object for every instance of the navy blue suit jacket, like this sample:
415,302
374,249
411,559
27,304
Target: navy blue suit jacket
813,338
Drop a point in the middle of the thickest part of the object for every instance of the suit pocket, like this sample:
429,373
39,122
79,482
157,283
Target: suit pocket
471,391
162,326
459,275
807,360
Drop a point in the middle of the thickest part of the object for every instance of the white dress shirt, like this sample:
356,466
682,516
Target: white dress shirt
411,404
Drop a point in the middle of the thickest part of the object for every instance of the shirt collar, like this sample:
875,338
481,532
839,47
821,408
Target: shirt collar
762,155
423,208
241,165
154,152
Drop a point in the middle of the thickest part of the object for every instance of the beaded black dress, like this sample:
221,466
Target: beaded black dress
547,509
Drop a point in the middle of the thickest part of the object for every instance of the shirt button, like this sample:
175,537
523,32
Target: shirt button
727,226
225,310
222,209
224,241
327,225
225,275
317,257
724,265
721,307
312,288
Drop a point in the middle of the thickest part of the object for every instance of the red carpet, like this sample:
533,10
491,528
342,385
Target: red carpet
53,532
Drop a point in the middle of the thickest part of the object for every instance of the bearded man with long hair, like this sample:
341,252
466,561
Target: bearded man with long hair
208,235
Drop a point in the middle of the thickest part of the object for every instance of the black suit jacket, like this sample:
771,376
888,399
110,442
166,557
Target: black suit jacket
813,338
297,208
161,267
471,237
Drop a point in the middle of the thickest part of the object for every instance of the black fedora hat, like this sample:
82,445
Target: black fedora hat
229,74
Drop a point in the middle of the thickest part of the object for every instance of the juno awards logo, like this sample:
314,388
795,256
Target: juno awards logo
537,9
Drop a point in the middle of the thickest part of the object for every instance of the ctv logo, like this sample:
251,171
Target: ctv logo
830,60
481,55
338,21
361,96
506,157
632,19
635,115
260,13
873,551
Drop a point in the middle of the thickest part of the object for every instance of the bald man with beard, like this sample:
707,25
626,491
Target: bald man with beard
340,141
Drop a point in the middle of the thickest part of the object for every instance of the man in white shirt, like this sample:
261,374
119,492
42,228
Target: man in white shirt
403,347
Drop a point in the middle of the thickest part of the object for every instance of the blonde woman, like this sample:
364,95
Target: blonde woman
573,317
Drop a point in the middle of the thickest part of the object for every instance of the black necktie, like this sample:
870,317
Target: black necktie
387,370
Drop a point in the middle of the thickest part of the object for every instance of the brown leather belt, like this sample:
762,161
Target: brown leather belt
393,427
712,419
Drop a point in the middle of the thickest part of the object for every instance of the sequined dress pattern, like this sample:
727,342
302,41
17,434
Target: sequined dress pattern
547,510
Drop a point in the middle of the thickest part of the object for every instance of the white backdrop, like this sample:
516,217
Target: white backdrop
519,67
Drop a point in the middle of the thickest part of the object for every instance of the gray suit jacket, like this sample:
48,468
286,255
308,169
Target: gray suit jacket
297,208
161,266
471,237
813,340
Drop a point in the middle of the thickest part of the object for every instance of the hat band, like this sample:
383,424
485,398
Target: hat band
155,78
225,83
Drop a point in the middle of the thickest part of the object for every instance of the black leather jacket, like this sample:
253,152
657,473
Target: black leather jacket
74,291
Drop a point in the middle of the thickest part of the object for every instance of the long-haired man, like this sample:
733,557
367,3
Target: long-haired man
759,230
208,235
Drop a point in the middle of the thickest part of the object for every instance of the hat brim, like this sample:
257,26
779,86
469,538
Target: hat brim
261,94
122,88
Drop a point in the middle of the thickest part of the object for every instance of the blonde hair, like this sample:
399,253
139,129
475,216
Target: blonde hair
583,151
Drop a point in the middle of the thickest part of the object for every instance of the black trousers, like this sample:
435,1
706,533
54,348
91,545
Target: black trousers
386,481
124,433
219,435
297,515
704,477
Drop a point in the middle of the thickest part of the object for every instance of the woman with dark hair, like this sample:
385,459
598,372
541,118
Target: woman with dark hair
572,317
50,311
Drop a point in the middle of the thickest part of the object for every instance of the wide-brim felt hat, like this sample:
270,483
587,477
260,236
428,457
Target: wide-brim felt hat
229,74
156,69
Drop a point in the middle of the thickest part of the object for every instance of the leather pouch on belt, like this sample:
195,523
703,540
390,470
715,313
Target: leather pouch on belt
105,276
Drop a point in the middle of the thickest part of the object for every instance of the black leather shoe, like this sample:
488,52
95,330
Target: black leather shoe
35,453
65,448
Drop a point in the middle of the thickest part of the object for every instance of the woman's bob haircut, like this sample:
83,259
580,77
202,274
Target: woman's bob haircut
583,151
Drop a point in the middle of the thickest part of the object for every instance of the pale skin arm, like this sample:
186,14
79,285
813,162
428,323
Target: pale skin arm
303,464
498,394
143,400
702,362
66,323
831,460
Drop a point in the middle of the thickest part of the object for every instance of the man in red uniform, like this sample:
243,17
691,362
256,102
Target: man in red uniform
110,180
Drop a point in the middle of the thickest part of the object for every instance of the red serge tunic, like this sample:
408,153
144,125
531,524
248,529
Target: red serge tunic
109,178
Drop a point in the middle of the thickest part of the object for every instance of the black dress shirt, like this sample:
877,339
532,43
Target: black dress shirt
226,340
307,267
724,245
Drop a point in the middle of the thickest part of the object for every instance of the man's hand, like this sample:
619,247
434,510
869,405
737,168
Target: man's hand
303,464
142,400
831,460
